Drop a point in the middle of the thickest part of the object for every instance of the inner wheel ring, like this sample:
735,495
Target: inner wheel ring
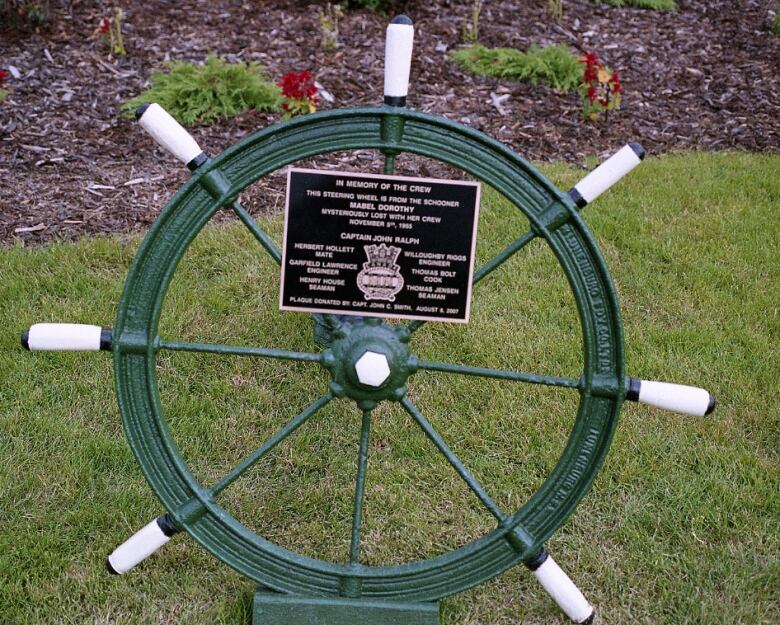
390,129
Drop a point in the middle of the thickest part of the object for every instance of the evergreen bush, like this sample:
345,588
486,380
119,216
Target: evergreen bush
554,65
204,93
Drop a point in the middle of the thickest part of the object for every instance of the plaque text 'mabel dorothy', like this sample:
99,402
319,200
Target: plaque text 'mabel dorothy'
385,246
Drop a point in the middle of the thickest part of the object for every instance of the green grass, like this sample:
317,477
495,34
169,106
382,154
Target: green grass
655,5
776,24
680,527
553,65
195,93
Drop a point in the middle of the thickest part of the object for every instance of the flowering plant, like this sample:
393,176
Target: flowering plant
300,93
109,31
3,92
600,88
329,26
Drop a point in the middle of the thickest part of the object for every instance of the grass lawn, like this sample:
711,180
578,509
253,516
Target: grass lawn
680,527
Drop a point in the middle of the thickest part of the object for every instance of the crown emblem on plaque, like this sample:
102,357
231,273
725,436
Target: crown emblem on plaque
380,277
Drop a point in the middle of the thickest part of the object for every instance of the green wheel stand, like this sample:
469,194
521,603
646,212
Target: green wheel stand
369,361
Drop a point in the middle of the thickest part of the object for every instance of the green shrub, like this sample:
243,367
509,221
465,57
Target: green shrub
554,65
655,5
776,25
204,93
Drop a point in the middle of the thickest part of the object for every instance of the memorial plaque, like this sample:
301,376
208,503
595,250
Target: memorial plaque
384,246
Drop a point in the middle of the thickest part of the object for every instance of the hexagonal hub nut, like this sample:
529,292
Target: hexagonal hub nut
372,369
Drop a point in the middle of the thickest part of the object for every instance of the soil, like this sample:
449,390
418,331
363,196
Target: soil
704,78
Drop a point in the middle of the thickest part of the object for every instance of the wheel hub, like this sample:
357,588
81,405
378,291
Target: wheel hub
369,361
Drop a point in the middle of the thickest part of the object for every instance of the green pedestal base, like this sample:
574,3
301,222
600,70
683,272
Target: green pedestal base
278,609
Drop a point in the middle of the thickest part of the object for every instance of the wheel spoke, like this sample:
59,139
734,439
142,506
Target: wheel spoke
257,232
296,422
360,488
504,255
389,163
415,325
491,265
454,461
238,350
333,320
500,374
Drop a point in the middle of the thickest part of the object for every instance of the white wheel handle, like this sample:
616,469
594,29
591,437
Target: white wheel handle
170,134
689,400
560,588
607,174
398,59
66,337
140,545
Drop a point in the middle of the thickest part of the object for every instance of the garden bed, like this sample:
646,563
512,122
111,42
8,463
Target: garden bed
702,78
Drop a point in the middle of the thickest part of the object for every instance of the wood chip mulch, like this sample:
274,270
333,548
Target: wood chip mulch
704,78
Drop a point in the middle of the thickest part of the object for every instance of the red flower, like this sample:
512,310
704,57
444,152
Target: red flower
298,86
592,66
614,83
591,58
600,87
105,26
3,75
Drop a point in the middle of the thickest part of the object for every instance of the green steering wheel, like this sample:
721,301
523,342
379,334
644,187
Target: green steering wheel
518,536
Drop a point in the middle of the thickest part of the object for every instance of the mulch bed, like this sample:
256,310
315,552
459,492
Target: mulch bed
704,78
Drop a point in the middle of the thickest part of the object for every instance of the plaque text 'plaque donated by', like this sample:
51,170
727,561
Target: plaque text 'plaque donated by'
384,246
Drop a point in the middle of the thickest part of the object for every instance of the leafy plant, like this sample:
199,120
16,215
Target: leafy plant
110,33
204,93
556,9
655,5
600,88
329,26
554,65
776,24
300,93
3,92
21,13
470,26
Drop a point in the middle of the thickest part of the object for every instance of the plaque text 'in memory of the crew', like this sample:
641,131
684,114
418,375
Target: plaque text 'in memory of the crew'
386,246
